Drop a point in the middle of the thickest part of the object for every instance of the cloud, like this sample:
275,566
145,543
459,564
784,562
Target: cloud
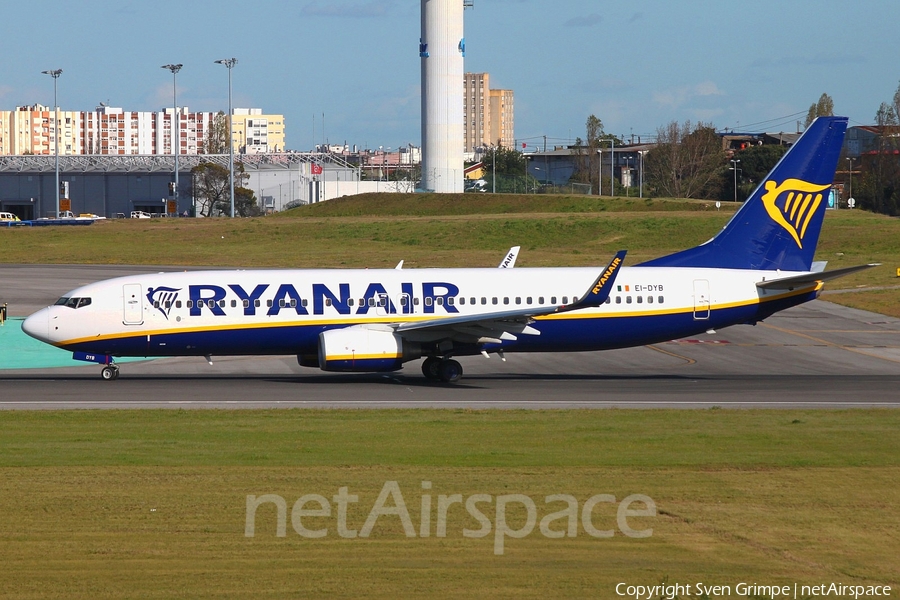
818,60
352,10
586,21
676,97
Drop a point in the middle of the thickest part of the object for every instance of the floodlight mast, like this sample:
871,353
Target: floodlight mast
229,63
55,73
176,127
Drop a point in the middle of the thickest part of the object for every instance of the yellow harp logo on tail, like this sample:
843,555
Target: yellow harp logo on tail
792,205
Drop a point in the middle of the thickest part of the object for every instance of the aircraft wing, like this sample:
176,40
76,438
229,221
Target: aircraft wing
789,283
498,326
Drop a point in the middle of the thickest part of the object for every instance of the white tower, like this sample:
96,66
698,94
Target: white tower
442,48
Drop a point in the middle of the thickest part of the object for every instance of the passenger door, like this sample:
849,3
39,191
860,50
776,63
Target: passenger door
133,306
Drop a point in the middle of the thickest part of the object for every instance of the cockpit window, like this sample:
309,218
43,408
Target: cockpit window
73,302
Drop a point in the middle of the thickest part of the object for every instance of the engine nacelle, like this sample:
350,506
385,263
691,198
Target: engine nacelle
363,348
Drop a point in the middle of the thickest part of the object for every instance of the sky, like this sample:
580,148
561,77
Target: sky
347,71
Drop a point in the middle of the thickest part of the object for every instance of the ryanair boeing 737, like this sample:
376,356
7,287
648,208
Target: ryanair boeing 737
377,320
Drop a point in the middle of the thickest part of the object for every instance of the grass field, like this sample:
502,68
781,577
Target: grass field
152,504
428,230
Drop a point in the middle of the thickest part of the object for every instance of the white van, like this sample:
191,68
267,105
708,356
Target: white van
8,216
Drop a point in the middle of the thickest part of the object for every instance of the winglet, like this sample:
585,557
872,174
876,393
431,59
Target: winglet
602,286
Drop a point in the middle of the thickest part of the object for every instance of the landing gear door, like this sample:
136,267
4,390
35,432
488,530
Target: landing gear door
133,306
701,299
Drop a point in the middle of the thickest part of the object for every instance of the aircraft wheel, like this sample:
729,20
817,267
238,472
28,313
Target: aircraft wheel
431,368
109,373
451,371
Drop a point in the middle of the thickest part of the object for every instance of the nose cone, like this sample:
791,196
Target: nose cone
38,325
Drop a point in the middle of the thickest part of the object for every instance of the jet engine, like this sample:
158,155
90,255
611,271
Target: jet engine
364,348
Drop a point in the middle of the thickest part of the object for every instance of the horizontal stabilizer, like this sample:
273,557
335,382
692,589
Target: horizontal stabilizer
789,283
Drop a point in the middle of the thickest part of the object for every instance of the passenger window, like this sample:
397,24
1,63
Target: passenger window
450,300
82,303
415,301
190,303
565,299
350,302
618,299
246,303
293,303
640,299
552,299
528,300
540,299
75,303
304,303
660,299
462,300
234,303
518,300
439,301
371,301
472,301
428,301
268,303
483,300
178,303
403,301
505,300
221,304
627,299
327,301
608,300
494,300
649,299
281,303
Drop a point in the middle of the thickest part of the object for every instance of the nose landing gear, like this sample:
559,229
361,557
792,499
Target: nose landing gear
110,372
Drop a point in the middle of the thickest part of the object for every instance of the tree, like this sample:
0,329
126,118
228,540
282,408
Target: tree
756,162
587,153
217,136
245,204
823,108
212,190
687,161
879,190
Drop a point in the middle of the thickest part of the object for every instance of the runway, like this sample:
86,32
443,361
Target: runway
814,356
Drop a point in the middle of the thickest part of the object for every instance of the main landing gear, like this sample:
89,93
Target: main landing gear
109,372
442,369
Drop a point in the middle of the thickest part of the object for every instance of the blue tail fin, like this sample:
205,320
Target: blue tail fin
778,226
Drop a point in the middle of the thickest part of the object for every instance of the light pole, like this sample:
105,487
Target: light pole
176,126
55,73
734,168
229,63
850,181
641,155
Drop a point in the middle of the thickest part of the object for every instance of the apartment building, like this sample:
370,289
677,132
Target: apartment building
488,114
32,130
113,131
256,133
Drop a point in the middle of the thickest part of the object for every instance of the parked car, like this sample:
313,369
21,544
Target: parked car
8,216
139,214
